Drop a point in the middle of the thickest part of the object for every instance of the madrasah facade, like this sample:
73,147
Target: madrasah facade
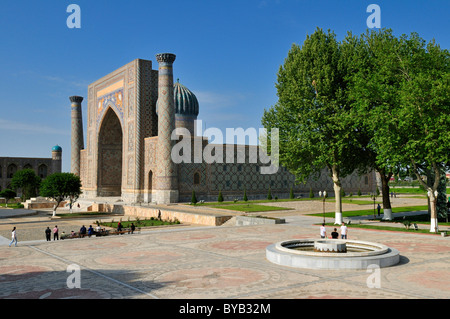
131,115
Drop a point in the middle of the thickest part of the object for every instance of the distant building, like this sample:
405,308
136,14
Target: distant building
42,166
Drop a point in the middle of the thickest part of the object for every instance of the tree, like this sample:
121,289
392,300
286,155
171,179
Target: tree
8,194
374,83
401,93
291,193
27,181
193,198
312,113
220,198
61,186
269,195
245,195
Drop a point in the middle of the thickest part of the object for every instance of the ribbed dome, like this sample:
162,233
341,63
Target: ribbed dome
186,102
57,148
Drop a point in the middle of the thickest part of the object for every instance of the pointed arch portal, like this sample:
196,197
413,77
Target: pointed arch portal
110,149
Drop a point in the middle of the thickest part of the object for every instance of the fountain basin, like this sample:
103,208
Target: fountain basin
358,255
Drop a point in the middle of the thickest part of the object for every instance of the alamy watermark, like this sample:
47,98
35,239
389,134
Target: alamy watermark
374,20
74,279
74,19
215,153
374,279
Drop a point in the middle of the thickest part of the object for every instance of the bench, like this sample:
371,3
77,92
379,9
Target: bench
101,233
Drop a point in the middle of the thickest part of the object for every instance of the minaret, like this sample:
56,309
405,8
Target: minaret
56,159
77,134
166,170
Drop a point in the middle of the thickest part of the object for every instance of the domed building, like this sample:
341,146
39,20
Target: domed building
133,153
186,107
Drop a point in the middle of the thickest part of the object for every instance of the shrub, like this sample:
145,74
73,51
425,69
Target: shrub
269,195
291,193
193,198
311,193
245,195
220,198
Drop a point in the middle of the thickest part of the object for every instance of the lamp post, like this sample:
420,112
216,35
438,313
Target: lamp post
324,197
374,197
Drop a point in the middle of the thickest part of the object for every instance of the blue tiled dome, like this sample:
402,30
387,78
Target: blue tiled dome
186,102
57,148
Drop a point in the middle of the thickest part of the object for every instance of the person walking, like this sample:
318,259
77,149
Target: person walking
13,237
56,233
48,234
379,210
323,231
344,231
132,228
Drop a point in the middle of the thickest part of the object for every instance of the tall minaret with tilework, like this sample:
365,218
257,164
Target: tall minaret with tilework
77,134
166,190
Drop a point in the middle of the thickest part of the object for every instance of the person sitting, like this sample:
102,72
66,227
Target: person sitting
83,231
334,234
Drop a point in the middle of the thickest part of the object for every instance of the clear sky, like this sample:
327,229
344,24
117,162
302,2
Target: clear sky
228,54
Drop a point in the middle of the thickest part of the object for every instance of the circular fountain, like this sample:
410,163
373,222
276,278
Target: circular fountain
331,254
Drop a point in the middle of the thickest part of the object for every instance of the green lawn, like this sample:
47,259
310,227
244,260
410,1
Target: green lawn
13,205
370,211
141,223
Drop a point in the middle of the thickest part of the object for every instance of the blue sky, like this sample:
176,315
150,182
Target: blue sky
228,54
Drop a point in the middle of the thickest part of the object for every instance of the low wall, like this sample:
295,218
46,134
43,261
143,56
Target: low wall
246,220
148,212
41,205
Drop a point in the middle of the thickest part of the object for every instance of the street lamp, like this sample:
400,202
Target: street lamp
374,197
324,197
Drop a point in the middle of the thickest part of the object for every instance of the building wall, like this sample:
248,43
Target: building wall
131,93
41,166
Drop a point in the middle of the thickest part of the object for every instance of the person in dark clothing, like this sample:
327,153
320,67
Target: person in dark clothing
334,234
90,231
132,228
48,234
82,231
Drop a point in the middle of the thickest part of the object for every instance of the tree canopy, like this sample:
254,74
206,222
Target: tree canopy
61,186
374,101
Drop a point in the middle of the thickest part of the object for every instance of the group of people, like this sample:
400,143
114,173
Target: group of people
334,233
55,231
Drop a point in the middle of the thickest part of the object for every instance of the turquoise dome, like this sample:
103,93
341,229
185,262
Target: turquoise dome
186,102
57,148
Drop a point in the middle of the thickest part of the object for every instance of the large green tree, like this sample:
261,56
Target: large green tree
400,89
312,112
61,186
375,83
27,181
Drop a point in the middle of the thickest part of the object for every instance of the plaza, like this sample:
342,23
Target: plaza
191,261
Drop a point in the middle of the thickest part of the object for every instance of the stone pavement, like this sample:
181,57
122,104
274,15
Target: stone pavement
199,262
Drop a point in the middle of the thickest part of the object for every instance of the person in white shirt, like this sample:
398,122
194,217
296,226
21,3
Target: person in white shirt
344,231
323,231
13,237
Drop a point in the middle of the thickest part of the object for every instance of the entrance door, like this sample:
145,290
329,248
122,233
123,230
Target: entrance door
110,146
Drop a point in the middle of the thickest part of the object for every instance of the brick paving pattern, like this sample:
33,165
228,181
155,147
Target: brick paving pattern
209,262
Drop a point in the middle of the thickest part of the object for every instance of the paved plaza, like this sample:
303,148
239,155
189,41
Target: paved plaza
203,262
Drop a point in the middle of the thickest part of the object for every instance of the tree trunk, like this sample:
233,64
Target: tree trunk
433,207
337,194
387,209
431,195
